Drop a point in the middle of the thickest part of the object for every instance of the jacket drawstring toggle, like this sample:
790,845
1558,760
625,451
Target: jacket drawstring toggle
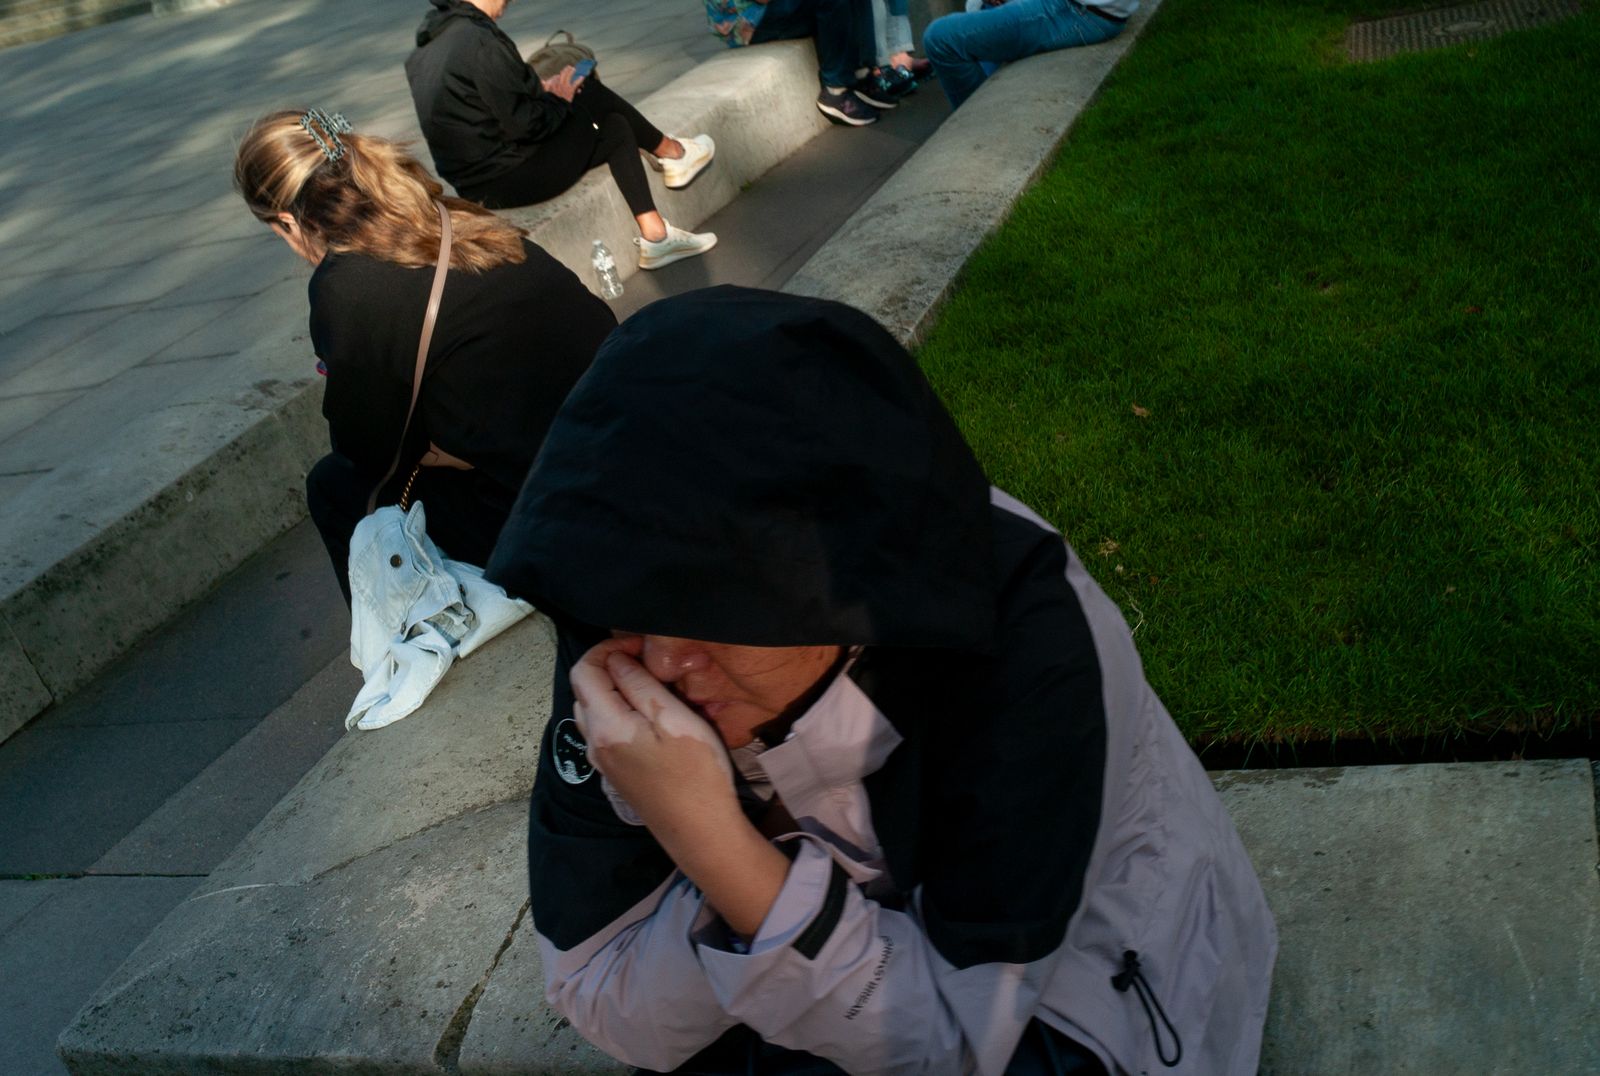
1130,975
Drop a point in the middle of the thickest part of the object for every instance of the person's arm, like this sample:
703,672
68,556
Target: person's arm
353,332
816,966
614,916
672,768
514,96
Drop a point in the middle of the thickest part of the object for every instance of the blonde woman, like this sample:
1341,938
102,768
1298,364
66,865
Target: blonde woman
515,330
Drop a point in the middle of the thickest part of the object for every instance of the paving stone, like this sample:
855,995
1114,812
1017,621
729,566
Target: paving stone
364,913
365,965
784,209
264,632
42,337
236,791
104,370
18,898
277,317
10,486
57,431
61,950
513,1032
101,783
243,267
24,298
22,692
19,413
474,743
1432,919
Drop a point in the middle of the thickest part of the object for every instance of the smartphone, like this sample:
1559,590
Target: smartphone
581,69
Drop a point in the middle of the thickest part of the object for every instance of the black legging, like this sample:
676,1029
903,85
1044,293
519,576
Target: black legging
601,127
465,509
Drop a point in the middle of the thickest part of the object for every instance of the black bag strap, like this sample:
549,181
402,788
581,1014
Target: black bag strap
428,320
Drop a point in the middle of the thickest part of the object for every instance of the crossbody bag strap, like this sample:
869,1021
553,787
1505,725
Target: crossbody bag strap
428,319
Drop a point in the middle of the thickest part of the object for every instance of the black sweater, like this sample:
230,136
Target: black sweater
508,345
481,108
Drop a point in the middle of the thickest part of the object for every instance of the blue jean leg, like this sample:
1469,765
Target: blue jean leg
960,44
842,30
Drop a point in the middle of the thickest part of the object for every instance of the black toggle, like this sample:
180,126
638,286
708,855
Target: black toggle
1130,975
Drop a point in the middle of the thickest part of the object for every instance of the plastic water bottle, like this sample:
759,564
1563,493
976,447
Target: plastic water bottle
605,271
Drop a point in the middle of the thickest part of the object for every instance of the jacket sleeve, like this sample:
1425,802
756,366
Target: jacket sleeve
838,975
514,97
613,914
1007,812
830,972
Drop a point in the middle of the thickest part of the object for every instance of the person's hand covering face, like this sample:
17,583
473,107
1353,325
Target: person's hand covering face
664,759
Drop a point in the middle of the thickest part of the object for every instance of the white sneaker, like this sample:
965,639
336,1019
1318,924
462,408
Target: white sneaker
677,246
697,153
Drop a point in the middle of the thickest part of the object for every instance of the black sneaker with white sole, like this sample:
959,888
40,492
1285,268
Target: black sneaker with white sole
845,107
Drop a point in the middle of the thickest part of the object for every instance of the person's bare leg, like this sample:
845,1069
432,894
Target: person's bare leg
651,226
670,149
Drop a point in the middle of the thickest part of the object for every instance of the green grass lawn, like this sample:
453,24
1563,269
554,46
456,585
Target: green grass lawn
1301,355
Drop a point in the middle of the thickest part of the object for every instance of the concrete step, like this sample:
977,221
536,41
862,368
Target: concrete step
23,21
1432,918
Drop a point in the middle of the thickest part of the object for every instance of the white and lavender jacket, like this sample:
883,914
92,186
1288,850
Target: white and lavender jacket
983,839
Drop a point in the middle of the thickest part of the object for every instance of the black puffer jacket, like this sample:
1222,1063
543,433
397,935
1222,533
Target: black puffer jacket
481,107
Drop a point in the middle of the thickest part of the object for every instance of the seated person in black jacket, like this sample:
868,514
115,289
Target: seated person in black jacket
503,138
851,767
515,331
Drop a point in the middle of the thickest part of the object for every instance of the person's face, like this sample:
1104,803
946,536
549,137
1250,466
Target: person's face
492,8
736,688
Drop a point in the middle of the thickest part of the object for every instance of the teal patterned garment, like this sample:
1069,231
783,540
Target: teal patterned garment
734,20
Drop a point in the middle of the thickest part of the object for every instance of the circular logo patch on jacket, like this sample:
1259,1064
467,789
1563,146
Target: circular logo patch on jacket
572,754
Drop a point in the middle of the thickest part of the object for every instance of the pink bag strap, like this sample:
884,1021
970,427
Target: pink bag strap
440,270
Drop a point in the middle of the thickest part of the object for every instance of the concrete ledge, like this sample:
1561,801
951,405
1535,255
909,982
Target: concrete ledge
959,187
103,550
1432,918
26,21
100,552
758,104
355,929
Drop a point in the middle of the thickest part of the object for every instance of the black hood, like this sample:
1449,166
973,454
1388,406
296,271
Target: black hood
444,11
747,467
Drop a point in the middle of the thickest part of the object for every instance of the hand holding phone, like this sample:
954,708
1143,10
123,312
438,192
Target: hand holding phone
581,70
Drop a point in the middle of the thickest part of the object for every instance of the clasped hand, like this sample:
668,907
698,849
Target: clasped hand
662,757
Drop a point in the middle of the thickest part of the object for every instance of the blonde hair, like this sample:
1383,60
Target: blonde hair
374,199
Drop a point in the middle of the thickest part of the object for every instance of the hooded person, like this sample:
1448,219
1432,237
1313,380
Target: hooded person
851,765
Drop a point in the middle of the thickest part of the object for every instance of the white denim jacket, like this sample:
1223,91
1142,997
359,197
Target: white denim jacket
412,613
